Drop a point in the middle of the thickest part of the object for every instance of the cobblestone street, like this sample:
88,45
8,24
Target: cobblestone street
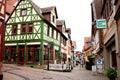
13,72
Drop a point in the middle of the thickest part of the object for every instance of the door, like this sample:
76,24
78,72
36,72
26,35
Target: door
21,56
114,60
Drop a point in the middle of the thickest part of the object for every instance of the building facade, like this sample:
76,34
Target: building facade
69,43
109,34
87,48
117,19
96,34
31,35
111,49
2,21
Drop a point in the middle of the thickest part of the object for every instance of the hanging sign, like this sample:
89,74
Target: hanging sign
101,23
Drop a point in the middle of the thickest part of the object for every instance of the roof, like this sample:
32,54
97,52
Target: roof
49,9
86,41
37,8
32,3
68,28
55,28
39,11
78,52
60,22
73,43
10,6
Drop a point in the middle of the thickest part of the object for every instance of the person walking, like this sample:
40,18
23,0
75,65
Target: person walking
81,64
1,74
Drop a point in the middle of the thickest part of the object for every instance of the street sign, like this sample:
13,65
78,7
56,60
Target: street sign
99,61
101,23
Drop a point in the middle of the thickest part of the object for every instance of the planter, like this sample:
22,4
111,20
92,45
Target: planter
111,73
112,78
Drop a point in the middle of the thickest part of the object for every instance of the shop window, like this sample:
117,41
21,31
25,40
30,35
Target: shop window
36,53
30,55
51,54
14,29
23,12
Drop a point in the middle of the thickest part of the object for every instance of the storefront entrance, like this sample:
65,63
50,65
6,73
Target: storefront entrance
21,55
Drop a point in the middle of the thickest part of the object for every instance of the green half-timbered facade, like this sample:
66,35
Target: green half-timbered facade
27,35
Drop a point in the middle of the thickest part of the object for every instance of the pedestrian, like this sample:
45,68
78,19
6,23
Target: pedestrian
1,74
81,64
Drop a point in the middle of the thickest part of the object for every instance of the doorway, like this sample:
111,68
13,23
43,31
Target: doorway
21,55
114,60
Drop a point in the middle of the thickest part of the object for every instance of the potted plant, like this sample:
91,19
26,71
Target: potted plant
111,73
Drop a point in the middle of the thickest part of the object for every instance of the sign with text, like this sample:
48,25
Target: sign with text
101,23
57,66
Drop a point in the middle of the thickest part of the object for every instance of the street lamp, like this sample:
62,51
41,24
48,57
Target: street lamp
48,56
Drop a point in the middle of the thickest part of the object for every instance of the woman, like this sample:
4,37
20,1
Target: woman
1,74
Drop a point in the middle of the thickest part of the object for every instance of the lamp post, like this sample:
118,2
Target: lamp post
48,56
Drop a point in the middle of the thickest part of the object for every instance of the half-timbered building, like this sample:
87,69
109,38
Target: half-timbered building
28,35
2,21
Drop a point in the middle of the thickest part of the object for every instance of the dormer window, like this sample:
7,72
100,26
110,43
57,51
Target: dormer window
23,12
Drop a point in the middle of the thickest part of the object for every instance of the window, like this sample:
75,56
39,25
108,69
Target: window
115,1
23,12
57,35
48,30
14,29
52,33
110,4
53,19
23,30
30,28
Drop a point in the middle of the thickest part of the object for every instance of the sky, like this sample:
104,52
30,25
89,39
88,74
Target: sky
77,16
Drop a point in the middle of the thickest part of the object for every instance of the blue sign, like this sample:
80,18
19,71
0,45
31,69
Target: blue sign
99,61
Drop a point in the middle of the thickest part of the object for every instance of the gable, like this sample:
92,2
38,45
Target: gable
31,13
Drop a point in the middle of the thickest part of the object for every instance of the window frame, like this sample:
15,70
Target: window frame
52,32
14,29
53,19
48,31
56,35
30,28
23,12
22,29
